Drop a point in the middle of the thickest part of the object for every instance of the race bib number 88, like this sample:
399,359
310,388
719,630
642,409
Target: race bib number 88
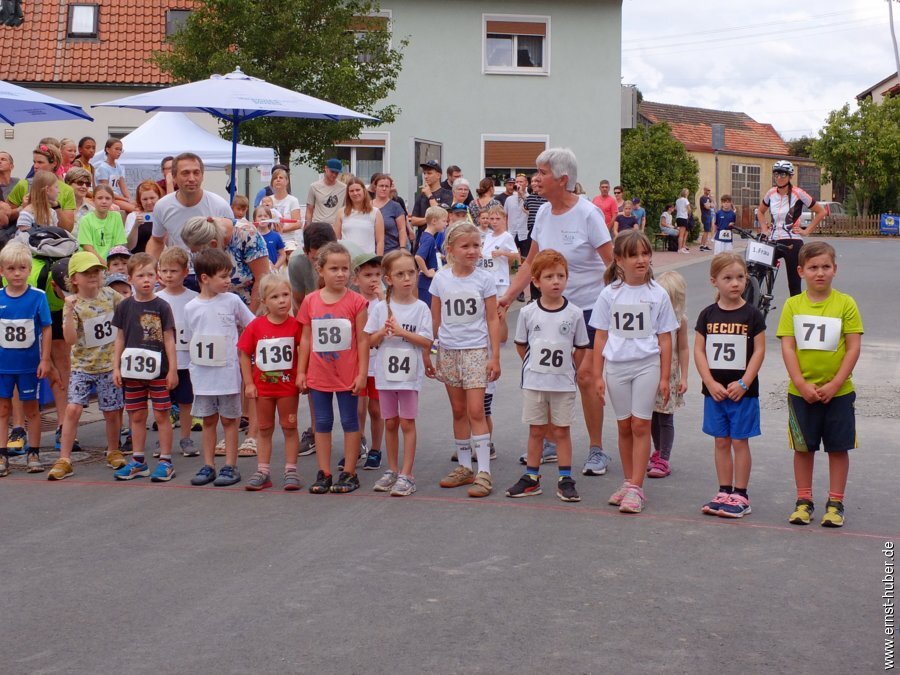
16,333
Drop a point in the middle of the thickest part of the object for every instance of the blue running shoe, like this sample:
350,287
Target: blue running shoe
163,472
373,460
229,475
597,462
132,470
205,476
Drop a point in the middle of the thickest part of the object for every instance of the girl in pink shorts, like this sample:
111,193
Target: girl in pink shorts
400,326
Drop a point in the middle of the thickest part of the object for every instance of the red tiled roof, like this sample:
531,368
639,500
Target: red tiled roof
692,127
129,32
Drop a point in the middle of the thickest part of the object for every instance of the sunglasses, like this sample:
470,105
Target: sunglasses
780,174
82,183
617,192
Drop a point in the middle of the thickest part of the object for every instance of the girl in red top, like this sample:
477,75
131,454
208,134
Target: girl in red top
333,362
267,350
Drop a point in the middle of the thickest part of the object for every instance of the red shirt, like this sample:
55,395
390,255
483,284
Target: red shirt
334,352
608,206
278,348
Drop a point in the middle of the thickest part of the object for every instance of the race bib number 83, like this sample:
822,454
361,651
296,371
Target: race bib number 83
99,331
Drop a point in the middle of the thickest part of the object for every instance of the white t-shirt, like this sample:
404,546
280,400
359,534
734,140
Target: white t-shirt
211,329
516,216
359,228
114,175
294,238
576,234
498,266
550,336
398,364
633,316
178,303
681,207
373,351
463,322
170,215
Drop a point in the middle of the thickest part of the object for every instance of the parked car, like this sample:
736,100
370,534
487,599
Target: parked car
831,209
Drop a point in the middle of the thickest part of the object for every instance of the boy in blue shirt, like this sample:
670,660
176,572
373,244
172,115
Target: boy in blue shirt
25,336
725,218
262,218
428,251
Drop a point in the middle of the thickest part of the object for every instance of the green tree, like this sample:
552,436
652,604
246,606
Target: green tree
801,147
656,168
334,50
861,149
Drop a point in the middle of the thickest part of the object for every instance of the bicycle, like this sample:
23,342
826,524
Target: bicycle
762,269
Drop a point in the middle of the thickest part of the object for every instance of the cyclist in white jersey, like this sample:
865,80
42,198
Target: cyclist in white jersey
786,203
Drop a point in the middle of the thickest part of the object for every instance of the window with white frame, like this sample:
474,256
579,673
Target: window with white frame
362,157
506,156
83,21
515,44
745,184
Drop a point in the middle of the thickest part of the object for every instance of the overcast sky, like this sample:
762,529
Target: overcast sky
787,63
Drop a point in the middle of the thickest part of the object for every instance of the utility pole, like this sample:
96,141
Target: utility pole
894,36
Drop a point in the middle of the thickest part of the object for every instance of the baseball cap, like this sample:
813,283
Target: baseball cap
458,207
82,261
431,164
510,179
334,164
362,258
59,272
117,277
118,250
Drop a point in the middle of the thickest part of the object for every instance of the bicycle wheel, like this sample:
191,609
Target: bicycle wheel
751,292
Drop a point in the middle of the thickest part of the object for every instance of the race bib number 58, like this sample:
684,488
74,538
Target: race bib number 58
331,335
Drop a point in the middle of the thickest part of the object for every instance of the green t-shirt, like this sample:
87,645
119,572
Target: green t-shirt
820,329
101,233
66,198
37,264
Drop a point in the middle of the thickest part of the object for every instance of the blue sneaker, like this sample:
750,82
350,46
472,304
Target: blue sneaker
163,472
132,470
597,462
548,454
206,475
229,475
373,460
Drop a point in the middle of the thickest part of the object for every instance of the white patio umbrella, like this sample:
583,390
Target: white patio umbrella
236,97
18,104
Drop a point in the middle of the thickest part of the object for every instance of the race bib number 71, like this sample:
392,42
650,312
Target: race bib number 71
819,333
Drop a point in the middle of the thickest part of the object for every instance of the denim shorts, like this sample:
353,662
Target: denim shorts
109,396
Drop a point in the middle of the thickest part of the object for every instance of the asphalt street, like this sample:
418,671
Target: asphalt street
109,577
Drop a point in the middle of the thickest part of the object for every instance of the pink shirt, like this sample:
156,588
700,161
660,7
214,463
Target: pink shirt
331,370
608,207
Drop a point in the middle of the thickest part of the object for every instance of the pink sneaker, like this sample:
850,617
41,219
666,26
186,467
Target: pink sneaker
712,508
616,497
633,501
653,458
736,506
658,468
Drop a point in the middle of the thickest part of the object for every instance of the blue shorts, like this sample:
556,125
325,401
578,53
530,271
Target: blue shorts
707,225
727,419
183,394
591,331
26,383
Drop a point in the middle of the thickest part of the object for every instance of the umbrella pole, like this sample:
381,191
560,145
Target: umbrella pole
234,140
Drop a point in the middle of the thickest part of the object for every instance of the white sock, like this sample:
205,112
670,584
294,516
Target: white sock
464,452
483,452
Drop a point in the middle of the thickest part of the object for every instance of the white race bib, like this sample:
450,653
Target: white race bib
487,263
820,333
724,235
726,352
275,354
99,331
140,364
400,364
761,253
631,321
16,333
554,358
208,350
181,341
331,335
464,307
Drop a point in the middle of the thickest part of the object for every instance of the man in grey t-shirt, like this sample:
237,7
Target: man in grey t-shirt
190,199
326,196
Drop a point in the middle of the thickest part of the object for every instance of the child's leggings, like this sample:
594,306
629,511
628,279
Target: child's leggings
662,429
322,402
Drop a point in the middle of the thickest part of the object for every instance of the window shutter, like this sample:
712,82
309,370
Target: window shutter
517,28
502,154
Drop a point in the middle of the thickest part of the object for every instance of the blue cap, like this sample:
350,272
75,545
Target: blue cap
457,207
335,165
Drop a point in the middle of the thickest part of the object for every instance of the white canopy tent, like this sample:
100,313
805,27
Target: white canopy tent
171,133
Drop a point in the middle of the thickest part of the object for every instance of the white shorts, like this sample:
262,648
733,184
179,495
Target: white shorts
722,247
632,387
553,407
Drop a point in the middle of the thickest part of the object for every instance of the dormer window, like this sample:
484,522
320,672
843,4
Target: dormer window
83,21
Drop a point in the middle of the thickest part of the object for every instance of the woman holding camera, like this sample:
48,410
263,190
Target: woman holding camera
139,223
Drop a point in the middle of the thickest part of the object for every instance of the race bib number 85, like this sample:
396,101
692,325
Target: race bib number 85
820,333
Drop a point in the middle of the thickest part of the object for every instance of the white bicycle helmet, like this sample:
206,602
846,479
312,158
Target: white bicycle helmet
783,165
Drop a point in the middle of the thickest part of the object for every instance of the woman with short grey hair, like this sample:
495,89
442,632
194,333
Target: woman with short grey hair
243,243
574,227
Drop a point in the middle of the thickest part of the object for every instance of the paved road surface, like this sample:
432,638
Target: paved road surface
106,577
